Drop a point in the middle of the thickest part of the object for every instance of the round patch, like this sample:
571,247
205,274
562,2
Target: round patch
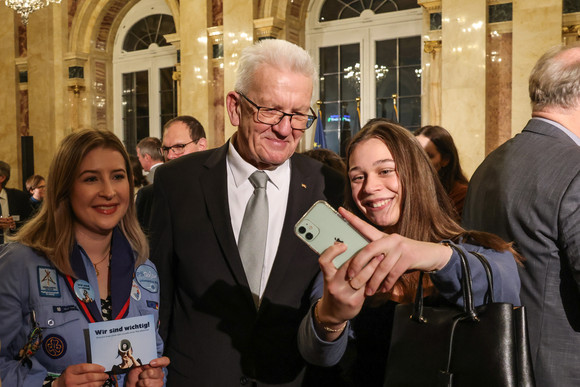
54,346
147,278
135,292
84,291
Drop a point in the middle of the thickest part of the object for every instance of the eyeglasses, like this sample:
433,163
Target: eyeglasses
270,116
177,149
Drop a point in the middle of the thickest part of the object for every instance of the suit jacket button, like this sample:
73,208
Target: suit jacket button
243,380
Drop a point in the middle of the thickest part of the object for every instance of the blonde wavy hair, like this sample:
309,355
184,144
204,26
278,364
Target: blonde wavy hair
51,231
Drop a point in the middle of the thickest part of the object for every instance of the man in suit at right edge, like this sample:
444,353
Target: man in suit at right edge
528,191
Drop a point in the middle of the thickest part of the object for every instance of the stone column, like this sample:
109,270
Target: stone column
48,96
463,78
536,26
194,94
9,130
238,33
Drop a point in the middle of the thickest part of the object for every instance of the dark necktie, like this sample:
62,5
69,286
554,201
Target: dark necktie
252,240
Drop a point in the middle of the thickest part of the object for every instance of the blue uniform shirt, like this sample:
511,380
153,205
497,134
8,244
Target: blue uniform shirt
28,282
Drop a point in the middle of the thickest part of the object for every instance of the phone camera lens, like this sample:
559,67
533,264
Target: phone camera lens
301,229
309,236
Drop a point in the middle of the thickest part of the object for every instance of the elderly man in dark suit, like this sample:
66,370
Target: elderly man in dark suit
528,191
14,205
229,313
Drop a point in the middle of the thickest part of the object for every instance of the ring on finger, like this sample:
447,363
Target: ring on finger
352,287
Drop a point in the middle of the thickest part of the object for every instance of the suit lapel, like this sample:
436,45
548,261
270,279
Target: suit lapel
214,186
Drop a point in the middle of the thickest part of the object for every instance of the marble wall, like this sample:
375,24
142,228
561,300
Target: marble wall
498,89
463,77
10,107
238,34
195,65
536,27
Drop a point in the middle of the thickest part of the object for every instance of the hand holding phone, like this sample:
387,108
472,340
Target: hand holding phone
321,226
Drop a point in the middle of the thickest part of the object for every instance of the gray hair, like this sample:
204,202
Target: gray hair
555,79
278,53
5,171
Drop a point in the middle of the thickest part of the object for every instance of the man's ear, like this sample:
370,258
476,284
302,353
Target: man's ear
233,106
202,143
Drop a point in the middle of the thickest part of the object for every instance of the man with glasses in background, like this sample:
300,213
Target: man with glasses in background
181,136
235,280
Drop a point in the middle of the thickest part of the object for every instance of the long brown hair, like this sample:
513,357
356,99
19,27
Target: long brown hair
426,210
51,232
441,138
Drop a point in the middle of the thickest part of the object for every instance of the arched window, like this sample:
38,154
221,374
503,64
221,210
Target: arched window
148,31
339,9
368,51
144,62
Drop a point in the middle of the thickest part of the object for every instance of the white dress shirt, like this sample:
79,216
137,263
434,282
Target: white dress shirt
240,189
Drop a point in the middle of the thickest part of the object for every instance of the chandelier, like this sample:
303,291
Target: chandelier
26,7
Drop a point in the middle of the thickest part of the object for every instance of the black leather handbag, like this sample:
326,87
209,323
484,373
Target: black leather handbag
453,346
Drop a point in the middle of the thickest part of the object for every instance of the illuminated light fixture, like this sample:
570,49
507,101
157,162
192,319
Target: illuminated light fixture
26,7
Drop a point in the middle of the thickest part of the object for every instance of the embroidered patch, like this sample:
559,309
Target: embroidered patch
48,282
147,278
135,292
84,291
64,308
54,346
153,304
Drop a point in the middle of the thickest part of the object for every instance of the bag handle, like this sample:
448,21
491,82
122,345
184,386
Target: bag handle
487,267
465,287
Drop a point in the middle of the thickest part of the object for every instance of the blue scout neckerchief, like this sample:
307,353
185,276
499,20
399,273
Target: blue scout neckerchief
121,272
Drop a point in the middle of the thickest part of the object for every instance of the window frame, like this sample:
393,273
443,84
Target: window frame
365,30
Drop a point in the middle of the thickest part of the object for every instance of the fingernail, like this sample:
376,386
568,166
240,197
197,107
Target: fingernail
380,257
350,274
369,292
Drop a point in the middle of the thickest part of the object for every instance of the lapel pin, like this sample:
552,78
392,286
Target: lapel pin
303,185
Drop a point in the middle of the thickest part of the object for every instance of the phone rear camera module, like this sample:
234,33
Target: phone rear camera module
309,236
301,229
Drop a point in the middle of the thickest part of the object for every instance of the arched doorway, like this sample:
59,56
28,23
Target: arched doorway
145,94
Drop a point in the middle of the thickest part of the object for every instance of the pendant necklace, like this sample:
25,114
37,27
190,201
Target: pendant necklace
108,255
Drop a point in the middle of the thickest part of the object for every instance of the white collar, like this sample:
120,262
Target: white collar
241,169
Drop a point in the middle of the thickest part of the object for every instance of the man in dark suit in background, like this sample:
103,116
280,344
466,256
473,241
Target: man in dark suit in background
528,191
220,327
150,157
14,205
181,136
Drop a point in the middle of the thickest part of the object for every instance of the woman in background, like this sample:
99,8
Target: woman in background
442,152
83,258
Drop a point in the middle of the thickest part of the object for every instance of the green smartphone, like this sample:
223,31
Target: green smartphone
321,226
